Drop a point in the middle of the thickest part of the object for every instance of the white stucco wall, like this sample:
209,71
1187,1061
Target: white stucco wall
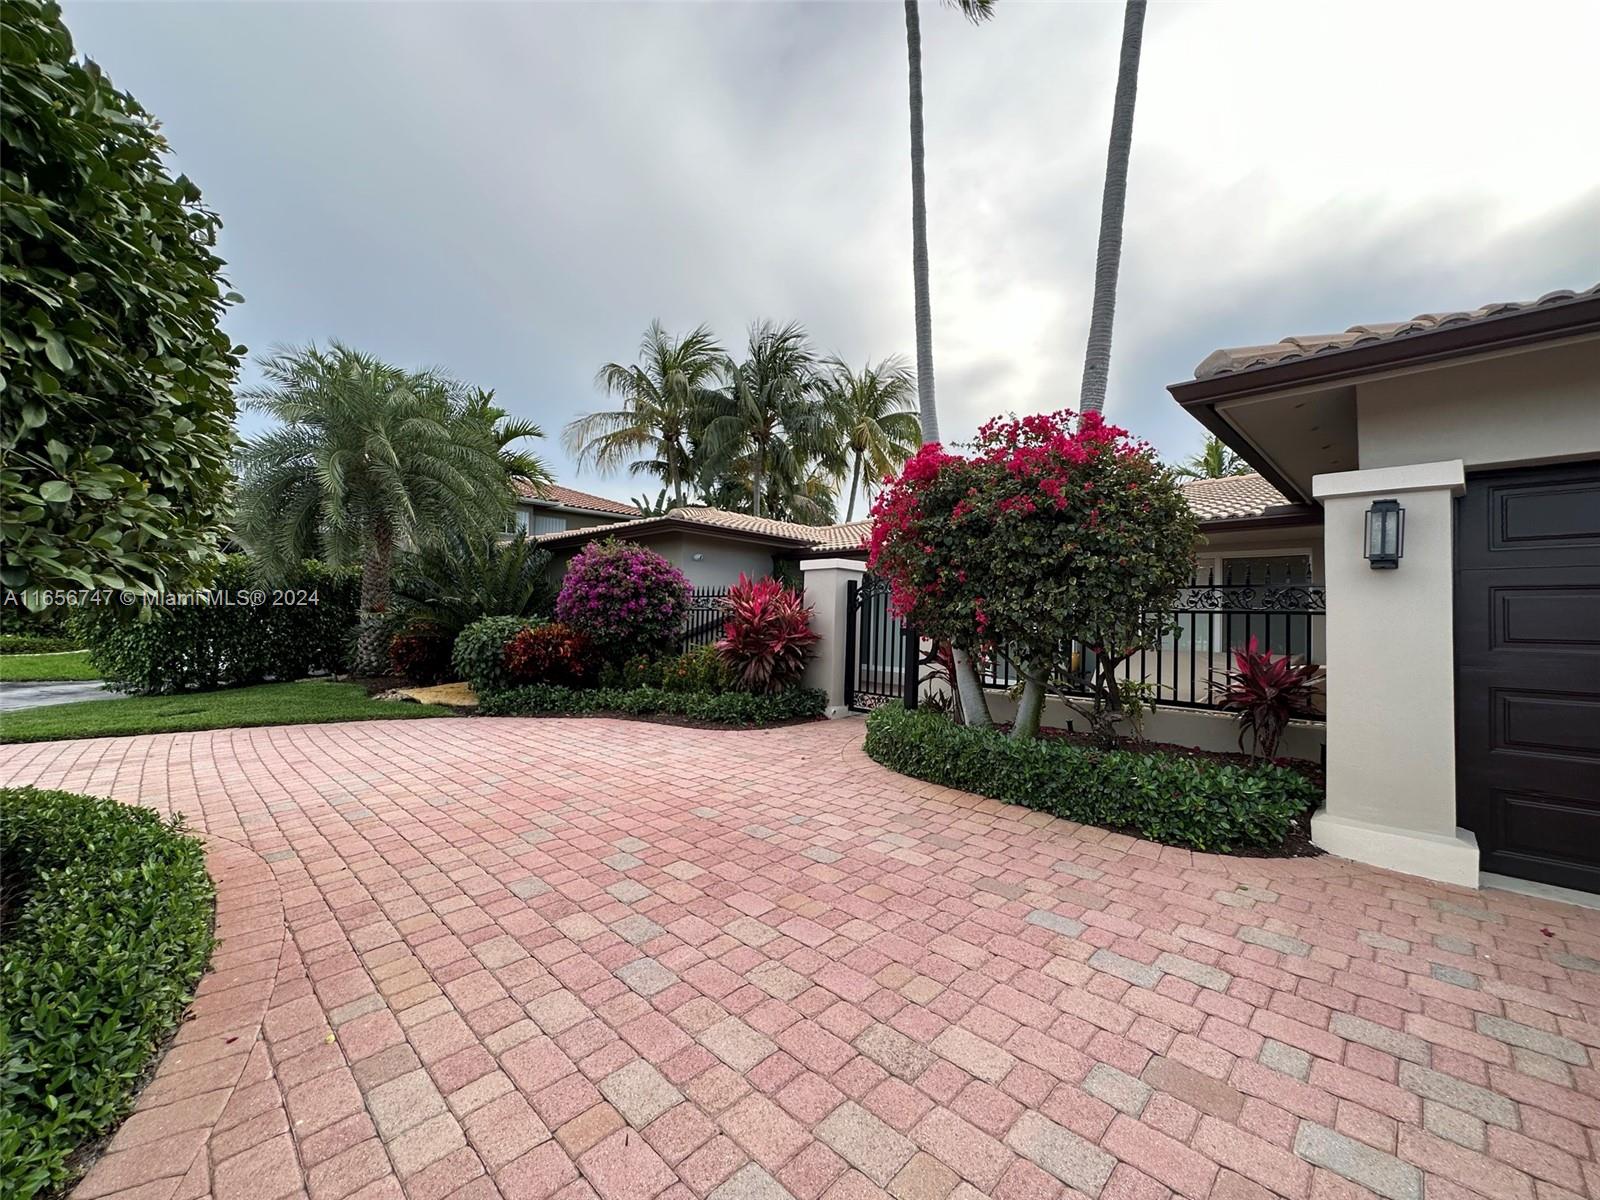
1538,405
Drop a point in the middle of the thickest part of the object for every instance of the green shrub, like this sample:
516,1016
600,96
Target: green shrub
726,708
479,655
702,669
1178,800
27,643
215,645
106,911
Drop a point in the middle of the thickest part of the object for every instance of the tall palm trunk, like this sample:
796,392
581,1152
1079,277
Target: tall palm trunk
974,704
855,482
919,233
758,478
377,572
1108,257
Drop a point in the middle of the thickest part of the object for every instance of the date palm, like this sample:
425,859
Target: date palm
1113,203
366,458
873,414
767,415
662,396
1214,461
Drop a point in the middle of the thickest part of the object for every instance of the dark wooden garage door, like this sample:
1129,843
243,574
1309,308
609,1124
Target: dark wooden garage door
1528,672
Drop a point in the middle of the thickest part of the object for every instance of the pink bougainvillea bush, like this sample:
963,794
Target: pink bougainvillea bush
1051,531
627,600
768,636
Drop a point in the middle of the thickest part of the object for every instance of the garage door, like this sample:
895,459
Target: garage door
1528,672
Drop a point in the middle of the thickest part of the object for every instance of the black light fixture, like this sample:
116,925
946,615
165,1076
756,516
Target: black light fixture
1386,535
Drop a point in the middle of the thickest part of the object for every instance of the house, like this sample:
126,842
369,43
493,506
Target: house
555,509
1463,693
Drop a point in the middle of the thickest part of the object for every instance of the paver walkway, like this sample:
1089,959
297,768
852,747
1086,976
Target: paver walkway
588,957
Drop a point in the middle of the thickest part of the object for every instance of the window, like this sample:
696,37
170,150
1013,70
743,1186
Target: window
516,521
547,523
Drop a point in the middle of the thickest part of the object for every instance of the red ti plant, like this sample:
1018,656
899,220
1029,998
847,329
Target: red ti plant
1267,690
553,653
768,637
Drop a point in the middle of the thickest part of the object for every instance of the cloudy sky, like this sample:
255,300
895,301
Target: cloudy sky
513,190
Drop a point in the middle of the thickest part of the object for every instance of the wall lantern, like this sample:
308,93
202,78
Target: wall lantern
1386,535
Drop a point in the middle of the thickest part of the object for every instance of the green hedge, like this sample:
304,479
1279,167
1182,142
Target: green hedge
1196,802
107,920
479,653
202,647
28,643
726,708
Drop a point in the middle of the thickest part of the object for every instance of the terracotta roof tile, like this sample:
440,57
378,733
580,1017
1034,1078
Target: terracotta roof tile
572,498
1231,497
1245,358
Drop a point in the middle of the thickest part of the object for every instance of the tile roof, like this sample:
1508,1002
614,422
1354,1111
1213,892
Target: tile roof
1245,358
554,493
1231,497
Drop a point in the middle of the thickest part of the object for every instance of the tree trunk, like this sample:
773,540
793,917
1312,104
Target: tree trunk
974,704
919,233
1031,707
372,656
1108,257
855,479
757,479
674,479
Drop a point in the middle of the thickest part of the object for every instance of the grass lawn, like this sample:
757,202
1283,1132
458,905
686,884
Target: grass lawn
267,704
37,668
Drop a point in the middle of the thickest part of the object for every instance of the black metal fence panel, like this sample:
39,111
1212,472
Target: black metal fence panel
1211,619
880,651
706,617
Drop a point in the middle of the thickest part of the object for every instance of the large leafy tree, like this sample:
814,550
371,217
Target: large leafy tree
873,414
768,418
1214,461
1057,546
663,399
118,415
366,458
1113,203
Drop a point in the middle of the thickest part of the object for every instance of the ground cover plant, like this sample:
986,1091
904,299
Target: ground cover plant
306,703
1179,800
106,911
719,708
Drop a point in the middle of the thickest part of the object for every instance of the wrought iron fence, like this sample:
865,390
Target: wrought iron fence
880,651
703,624
1209,621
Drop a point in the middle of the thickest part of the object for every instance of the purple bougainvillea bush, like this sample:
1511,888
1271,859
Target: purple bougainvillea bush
626,599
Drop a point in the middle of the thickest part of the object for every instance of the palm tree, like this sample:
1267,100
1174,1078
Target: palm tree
367,458
974,706
872,413
976,11
1214,461
767,416
661,396
459,577
1108,256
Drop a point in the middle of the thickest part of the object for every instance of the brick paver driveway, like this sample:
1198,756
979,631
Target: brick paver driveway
533,958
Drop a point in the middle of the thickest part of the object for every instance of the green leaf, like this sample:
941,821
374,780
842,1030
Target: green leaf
56,491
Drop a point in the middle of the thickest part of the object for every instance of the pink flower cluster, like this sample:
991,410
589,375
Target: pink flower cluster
626,598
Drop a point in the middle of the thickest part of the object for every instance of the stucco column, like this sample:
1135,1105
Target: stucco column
1391,797
825,581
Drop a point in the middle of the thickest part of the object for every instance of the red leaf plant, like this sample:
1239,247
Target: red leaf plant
554,653
768,636
1268,691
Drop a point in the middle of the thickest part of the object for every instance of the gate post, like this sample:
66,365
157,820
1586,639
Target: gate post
830,585
912,683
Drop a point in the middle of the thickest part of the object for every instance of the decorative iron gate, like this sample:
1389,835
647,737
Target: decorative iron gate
880,652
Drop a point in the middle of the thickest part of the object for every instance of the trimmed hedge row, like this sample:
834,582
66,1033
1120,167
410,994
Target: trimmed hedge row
1177,800
201,647
30,643
726,708
106,911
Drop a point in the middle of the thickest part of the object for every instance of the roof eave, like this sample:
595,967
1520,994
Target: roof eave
671,525
1521,328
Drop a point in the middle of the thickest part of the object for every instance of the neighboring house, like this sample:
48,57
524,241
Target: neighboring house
556,509
1463,694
